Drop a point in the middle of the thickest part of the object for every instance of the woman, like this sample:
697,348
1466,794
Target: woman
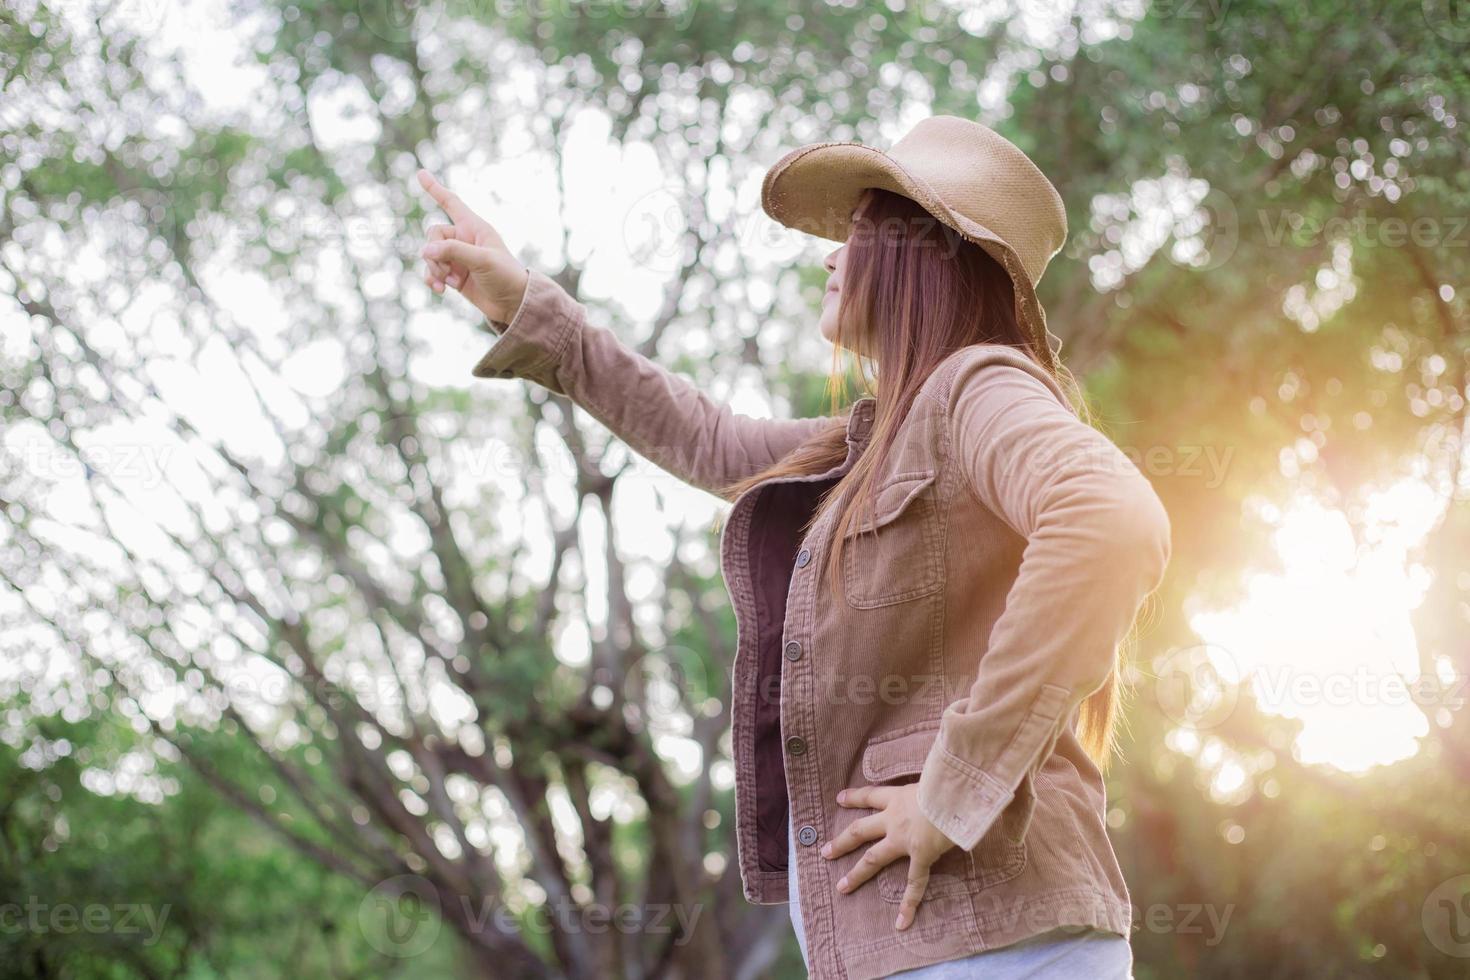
929,588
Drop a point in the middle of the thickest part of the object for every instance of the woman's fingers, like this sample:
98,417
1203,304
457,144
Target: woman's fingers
883,853
453,252
470,244
913,893
860,830
906,833
445,198
871,797
439,270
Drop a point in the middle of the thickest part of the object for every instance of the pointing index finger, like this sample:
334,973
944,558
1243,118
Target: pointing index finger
442,195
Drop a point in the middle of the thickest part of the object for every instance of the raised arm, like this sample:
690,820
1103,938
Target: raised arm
661,415
548,339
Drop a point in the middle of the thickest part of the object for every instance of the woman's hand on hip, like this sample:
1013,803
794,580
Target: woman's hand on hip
470,256
897,830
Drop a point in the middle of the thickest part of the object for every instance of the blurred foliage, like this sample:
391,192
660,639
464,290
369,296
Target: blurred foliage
154,875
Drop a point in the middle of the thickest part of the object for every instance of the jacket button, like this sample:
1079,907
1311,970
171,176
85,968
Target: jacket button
796,745
793,650
807,835
802,557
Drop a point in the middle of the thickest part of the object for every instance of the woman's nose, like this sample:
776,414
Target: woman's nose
831,260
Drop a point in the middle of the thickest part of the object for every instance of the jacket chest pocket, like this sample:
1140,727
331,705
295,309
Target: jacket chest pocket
895,556
898,757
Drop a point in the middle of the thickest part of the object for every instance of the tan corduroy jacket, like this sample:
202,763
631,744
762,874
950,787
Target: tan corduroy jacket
1013,546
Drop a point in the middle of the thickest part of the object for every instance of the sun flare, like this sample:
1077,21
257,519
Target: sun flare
1327,638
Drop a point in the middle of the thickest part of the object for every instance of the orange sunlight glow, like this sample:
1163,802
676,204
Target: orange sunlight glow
1327,638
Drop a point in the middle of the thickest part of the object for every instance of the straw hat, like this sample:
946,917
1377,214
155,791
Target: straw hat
965,174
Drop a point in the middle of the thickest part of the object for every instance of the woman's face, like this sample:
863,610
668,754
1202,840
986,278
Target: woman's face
836,263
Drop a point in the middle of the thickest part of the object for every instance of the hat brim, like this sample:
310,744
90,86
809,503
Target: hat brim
816,188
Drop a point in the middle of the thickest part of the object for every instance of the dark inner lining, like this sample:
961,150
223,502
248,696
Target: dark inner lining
776,523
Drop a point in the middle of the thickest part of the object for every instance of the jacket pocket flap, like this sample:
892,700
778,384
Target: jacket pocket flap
890,501
900,753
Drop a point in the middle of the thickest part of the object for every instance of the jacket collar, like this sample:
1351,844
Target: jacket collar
860,422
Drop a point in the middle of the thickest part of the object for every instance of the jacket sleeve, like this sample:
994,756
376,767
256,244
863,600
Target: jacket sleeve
1097,542
660,415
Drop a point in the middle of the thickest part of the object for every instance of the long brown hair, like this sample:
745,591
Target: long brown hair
913,292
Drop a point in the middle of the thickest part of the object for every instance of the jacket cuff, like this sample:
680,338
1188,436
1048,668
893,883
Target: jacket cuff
962,801
532,343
